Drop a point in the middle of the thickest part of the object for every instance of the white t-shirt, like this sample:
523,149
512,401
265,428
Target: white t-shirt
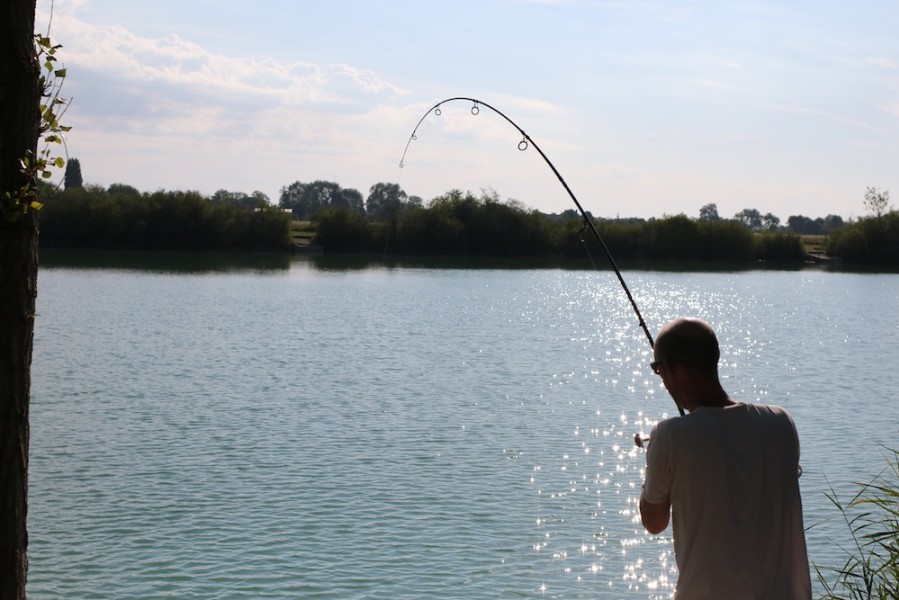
731,476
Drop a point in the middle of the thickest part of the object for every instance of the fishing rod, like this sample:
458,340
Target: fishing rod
523,145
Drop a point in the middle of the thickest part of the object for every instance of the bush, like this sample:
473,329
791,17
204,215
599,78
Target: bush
340,229
672,237
91,217
874,240
778,246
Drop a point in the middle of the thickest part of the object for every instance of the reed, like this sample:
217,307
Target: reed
871,567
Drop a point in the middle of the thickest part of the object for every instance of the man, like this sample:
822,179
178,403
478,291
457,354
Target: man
727,476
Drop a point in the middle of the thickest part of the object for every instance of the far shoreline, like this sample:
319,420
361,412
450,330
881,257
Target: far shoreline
223,260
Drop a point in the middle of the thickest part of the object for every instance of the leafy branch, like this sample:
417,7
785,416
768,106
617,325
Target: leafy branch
51,132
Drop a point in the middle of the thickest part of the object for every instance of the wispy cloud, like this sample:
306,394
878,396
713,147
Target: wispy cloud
883,62
171,84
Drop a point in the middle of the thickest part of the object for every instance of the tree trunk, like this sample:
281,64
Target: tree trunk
20,96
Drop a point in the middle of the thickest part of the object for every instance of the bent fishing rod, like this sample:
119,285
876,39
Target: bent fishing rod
523,145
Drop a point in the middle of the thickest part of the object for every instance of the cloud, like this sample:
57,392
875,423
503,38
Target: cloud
883,62
168,84
165,112
831,118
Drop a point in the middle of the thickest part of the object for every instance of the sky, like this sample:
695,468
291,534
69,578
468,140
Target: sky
646,108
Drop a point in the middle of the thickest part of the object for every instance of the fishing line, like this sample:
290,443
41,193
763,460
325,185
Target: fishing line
525,143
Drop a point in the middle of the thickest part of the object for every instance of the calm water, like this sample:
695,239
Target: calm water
287,428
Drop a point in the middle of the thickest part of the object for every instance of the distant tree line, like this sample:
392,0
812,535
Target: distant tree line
756,221
305,199
462,224
457,223
121,217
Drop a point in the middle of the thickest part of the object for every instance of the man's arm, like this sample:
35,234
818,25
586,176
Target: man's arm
656,485
655,517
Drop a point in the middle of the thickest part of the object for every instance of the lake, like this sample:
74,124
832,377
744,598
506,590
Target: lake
269,426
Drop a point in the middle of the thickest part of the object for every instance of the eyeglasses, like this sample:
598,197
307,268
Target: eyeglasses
656,365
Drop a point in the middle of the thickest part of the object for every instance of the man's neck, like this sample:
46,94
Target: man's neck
714,397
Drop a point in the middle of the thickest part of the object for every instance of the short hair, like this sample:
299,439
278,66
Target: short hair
691,341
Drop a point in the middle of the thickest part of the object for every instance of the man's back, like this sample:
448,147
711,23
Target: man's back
731,476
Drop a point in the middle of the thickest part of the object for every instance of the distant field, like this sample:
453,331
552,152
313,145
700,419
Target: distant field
813,244
301,233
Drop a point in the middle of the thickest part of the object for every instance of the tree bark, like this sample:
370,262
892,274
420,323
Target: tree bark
20,96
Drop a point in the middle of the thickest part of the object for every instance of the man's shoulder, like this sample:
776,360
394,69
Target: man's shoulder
769,410
738,412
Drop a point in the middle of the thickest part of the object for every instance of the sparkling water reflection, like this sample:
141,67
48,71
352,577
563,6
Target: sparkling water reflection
410,433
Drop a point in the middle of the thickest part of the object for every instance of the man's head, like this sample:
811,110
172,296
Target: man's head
686,357
689,342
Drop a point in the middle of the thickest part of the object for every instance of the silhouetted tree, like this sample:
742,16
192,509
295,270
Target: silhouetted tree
709,212
241,200
877,202
832,223
73,174
385,200
294,197
750,217
802,224
770,222
260,199
305,199
350,198
122,189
